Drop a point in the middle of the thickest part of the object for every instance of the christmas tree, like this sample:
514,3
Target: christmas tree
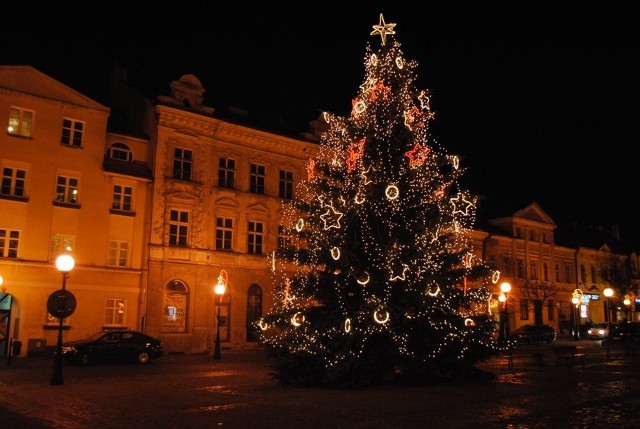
376,278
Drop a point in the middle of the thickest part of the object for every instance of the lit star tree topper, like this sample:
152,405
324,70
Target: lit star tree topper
378,276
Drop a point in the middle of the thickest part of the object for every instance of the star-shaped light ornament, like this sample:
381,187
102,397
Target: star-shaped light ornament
460,204
401,275
383,29
418,155
331,218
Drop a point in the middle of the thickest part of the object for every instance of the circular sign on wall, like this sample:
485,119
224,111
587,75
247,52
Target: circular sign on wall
61,304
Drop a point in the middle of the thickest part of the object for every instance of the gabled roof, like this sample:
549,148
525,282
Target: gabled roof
30,81
534,212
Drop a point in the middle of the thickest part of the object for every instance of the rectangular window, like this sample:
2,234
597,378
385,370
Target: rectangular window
524,309
550,310
583,273
122,197
284,237
13,182
593,274
20,122
557,269
72,133
286,185
532,235
67,190
227,173
224,233
520,268
518,232
256,230
507,264
182,163
118,251
256,179
114,311
567,273
533,269
545,270
9,240
178,228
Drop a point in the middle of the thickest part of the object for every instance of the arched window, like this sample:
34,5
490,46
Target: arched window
254,311
120,152
176,301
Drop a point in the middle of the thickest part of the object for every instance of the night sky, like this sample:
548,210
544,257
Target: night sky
540,99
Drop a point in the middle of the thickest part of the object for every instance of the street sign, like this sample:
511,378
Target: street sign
61,304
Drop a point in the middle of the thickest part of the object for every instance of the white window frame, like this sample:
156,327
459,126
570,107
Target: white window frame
118,254
179,228
14,185
122,197
72,132
67,189
9,243
114,312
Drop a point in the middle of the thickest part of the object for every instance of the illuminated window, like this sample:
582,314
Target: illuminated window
67,190
176,297
20,122
72,133
114,311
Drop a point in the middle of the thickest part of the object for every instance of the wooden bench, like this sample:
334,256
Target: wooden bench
627,347
569,354
536,355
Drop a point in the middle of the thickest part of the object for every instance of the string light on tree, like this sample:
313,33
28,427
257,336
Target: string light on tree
382,270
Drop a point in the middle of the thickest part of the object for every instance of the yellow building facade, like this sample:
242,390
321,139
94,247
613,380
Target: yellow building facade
62,194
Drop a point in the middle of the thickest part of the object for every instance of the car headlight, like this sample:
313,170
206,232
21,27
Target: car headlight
68,349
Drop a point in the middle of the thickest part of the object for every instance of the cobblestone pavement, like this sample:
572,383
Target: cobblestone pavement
196,391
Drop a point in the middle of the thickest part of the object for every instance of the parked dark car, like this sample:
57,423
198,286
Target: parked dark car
626,331
535,334
113,346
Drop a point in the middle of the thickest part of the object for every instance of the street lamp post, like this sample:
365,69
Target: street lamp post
505,288
219,289
608,293
62,305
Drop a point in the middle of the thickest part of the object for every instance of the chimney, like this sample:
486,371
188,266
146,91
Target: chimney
615,232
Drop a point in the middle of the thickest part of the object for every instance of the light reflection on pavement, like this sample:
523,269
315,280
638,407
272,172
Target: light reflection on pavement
195,391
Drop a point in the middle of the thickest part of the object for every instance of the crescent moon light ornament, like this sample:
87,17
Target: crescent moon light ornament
263,325
297,319
347,325
381,316
335,253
